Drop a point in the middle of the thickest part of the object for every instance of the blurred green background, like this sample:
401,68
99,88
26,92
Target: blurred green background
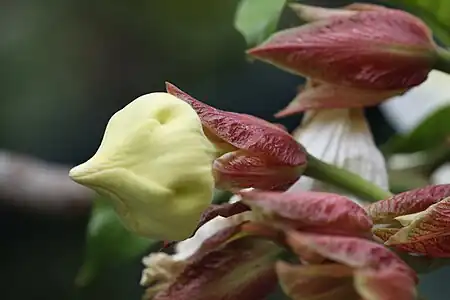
67,66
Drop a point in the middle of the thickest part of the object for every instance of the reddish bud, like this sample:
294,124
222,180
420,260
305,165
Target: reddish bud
435,247
319,95
311,211
406,203
246,132
374,271
424,233
377,49
239,170
324,282
257,153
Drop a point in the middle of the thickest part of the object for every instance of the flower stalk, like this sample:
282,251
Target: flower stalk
344,179
443,60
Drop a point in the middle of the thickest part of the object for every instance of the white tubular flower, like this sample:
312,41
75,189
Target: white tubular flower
343,138
155,164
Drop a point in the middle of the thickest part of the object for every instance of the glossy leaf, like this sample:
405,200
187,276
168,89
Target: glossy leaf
257,19
432,132
435,13
108,242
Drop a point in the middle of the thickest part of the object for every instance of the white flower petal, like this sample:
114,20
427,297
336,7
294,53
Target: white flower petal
161,267
237,198
188,247
341,137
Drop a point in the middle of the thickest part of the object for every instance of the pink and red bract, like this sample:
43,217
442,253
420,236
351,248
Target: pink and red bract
357,56
355,269
258,154
352,57
241,261
311,211
419,221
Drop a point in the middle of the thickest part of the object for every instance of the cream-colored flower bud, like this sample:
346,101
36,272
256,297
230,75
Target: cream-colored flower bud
155,164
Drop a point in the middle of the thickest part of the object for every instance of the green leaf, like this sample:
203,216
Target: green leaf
433,12
430,133
108,242
257,19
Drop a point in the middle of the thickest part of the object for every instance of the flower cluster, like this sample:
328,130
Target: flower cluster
293,221
237,257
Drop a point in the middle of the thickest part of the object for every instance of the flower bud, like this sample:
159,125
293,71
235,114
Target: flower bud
312,211
419,221
361,48
251,152
355,268
239,170
406,203
154,163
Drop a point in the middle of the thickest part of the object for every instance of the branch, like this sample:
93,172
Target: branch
37,186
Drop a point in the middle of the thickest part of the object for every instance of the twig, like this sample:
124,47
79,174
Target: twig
31,184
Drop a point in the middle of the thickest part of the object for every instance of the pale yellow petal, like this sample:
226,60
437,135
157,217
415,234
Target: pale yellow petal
408,219
154,163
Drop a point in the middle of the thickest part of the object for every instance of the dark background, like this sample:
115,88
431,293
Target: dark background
67,66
